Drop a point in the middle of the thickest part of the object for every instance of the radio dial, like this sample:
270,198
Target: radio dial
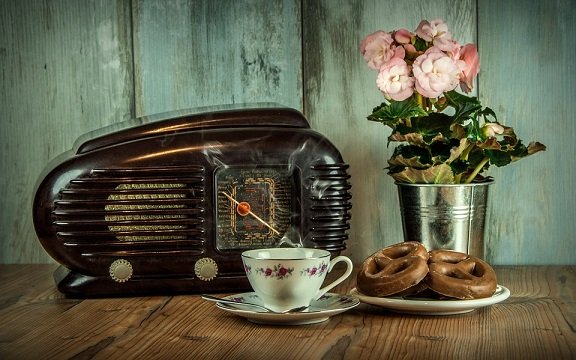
206,269
121,270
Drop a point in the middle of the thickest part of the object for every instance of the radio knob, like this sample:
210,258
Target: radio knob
121,270
206,269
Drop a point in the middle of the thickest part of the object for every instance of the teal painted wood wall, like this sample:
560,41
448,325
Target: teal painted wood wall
68,67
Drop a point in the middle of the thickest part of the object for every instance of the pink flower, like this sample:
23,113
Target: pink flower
377,49
399,52
435,72
431,30
469,54
455,53
403,36
411,51
436,32
443,44
394,80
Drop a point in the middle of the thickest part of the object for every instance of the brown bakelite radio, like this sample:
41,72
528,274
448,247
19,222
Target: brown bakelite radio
166,204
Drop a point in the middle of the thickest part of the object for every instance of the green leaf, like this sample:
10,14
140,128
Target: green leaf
499,158
428,127
440,174
487,112
420,44
459,167
475,157
535,147
464,106
410,153
474,132
442,149
391,114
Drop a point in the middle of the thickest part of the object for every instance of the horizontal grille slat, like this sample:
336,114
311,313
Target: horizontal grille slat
95,222
331,217
134,180
163,238
146,171
101,191
331,227
130,202
322,207
329,197
152,212
134,233
137,245
182,253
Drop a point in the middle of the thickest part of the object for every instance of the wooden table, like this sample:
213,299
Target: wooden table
36,322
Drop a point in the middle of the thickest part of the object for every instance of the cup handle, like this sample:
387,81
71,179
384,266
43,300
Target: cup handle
349,267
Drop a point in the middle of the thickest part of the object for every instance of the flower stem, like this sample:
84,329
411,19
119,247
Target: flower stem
476,170
421,101
466,152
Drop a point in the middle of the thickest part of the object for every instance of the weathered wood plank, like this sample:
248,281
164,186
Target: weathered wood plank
65,69
527,53
202,53
341,91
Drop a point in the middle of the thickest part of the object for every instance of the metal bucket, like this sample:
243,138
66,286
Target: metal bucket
445,216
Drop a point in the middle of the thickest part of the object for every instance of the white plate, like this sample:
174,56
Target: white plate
320,310
427,306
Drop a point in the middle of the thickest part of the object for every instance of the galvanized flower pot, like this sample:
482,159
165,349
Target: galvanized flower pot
445,216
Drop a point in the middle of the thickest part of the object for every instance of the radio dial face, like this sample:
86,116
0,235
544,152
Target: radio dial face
254,207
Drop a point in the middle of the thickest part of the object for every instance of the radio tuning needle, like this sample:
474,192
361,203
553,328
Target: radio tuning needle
251,213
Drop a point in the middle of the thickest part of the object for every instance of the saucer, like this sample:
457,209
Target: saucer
427,306
320,310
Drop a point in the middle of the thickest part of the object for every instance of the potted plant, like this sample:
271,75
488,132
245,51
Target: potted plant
446,140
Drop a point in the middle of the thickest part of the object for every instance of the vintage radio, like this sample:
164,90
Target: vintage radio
166,204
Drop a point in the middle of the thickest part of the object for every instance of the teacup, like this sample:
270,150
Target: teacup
287,278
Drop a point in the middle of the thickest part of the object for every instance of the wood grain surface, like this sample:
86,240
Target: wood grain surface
65,70
199,53
527,81
536,322
69,67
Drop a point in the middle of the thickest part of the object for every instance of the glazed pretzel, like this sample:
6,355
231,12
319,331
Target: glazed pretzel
460,275
392,270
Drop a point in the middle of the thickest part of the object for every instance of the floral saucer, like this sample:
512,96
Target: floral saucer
427,306
320,310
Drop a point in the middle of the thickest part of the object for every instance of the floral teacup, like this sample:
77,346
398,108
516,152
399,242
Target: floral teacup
286,278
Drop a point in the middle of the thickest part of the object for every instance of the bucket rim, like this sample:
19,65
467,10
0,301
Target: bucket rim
483,183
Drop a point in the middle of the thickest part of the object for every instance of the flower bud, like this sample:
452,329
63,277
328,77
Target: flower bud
492,129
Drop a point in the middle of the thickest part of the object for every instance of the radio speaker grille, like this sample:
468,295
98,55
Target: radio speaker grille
121,203
115,207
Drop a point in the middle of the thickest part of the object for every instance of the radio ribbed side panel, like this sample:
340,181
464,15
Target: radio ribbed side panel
330,205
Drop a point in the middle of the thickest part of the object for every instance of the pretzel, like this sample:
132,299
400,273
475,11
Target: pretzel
395,269
460,275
